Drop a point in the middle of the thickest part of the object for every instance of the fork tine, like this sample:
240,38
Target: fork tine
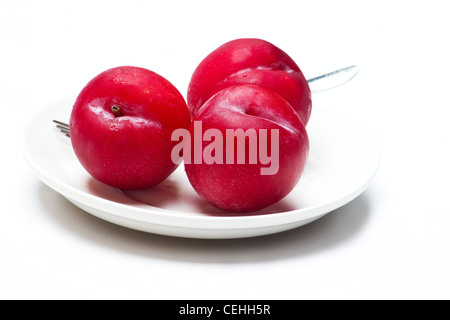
61,123
63,127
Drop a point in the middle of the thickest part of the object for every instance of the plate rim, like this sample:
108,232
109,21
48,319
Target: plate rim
171,218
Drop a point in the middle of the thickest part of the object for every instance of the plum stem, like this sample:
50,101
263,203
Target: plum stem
116,111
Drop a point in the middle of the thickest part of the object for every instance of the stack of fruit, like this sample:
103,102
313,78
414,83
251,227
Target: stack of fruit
241,135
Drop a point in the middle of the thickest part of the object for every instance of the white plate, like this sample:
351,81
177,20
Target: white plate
342,161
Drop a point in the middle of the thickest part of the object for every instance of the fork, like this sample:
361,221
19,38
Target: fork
320,83
63,127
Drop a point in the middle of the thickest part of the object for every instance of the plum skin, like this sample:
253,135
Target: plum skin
129,149
241,187
254,62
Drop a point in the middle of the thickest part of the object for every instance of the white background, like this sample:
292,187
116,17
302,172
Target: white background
392,242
